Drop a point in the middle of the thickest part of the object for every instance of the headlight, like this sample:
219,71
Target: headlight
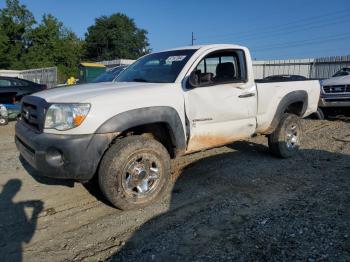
65,116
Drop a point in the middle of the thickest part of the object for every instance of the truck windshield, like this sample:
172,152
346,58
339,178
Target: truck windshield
163,67
110,75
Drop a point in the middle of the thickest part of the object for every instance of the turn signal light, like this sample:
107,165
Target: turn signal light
78,119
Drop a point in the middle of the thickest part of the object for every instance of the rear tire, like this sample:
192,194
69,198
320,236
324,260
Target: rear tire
284,142
134,172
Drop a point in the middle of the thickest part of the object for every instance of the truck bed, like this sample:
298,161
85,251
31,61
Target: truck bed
271,93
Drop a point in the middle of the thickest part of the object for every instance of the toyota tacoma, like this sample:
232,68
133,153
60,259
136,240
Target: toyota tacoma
165,105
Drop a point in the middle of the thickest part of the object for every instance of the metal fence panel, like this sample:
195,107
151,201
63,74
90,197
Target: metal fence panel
319,68
325,67
282,67
116,62
46,76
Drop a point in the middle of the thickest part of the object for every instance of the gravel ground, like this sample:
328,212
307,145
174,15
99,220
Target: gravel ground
231,203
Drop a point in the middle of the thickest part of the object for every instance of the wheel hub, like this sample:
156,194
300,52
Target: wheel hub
141,176
292,139
140,173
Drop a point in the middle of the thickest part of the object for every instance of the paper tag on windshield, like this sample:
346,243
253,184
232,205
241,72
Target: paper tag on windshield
176,58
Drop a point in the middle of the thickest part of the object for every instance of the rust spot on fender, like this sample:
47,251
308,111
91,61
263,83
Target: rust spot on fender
111,136
108,138
200,142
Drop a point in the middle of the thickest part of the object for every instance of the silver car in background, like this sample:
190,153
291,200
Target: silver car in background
335,91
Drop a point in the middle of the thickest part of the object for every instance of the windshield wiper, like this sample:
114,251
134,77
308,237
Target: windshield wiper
139,80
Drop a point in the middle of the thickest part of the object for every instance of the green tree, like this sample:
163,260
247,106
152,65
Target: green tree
24,45
52,44
114,37
15,21
5,60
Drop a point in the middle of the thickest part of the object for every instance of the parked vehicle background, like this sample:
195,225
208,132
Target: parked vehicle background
110,75
3,115
9,112
283,78
12,89
335,91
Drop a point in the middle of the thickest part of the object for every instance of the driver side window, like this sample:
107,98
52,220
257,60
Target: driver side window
222,67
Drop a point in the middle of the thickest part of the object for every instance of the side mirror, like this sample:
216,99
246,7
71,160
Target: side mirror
206,79
197,79
193,80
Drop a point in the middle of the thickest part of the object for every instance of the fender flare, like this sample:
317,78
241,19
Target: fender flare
148,115
290,98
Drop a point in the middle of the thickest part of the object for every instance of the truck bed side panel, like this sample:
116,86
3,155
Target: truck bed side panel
271,94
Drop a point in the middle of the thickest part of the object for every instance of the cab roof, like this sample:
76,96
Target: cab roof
206,47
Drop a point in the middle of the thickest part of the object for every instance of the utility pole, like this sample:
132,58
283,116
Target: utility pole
193,39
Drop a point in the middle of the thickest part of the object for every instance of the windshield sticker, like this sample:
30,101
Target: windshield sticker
175,58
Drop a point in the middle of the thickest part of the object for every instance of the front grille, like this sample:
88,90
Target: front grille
337,99
29,114
33,112
336,89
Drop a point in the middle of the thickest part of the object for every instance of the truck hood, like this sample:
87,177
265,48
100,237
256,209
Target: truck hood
110,99
339,80
88,92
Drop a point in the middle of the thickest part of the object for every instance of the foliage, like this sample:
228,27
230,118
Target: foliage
51,44
4,57
114,37
25,44
15,21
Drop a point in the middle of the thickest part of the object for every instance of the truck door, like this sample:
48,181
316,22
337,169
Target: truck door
222,109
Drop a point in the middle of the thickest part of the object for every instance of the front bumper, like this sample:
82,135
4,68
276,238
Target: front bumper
334,101
61,156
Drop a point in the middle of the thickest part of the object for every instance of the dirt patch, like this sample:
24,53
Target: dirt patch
230,203
198,143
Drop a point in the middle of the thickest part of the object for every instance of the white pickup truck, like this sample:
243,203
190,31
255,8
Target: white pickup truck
165,105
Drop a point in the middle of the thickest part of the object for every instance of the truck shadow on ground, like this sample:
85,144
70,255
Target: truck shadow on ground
245,205
15,226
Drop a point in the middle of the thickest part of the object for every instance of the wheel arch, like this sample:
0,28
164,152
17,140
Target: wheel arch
163,115
295,102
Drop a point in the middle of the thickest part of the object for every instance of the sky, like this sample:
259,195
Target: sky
272,29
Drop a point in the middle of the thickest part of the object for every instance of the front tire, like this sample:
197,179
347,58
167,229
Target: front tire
284,142
3,121
134,172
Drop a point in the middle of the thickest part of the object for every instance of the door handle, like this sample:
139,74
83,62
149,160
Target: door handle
246,95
